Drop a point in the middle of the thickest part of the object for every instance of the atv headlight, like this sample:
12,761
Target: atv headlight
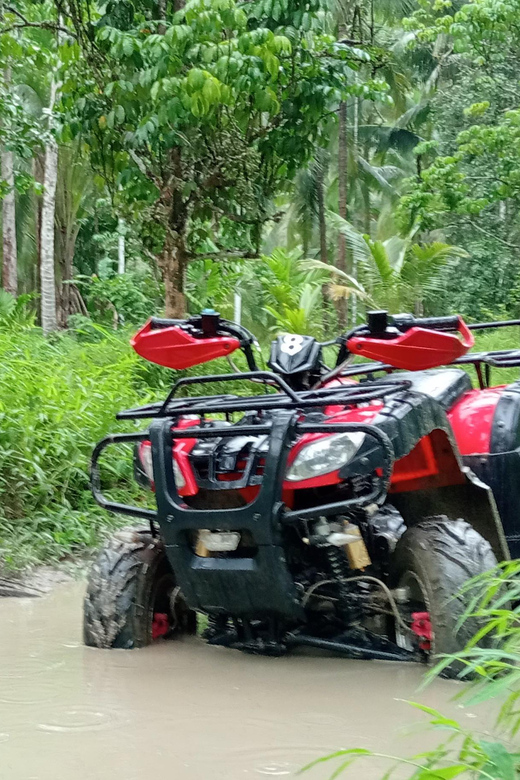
180,482
324,455
145,456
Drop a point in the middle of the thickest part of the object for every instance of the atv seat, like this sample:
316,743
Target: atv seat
444,385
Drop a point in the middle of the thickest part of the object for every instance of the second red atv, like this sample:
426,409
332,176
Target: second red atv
342,509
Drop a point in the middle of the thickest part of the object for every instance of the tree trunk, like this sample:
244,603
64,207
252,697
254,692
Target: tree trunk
367,206
173,258
121,249
322,229
37,172
172,262
9,264
322,225
161,10
355,150
47,272
9,256
342,262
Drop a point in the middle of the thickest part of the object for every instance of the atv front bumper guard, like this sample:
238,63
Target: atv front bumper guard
278,448
255,586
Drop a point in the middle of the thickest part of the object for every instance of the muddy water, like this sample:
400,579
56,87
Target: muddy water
186,711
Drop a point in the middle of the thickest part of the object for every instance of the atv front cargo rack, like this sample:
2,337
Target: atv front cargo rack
287,399
284,405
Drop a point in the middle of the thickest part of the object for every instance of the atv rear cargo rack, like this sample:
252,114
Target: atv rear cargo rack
504,358
287,399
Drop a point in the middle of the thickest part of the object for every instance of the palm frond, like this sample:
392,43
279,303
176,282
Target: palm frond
395,248
379,256
340,291
414,116
381,174
356,286
356,241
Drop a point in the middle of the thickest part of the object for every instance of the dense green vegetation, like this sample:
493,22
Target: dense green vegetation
57,398
154,154
299,162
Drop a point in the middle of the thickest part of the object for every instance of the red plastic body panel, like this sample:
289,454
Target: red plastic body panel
181,451
431,464
472,419
175,348
417,349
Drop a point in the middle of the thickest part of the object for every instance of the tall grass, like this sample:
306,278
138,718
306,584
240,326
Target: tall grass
57,398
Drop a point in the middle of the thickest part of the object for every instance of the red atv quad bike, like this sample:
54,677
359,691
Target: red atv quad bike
341,509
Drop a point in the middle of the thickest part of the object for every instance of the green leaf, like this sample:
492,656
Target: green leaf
196,79
272,64
128,46
211,90
240,18
501,762
444,773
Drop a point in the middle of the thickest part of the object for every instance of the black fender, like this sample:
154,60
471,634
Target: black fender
405,420
473,501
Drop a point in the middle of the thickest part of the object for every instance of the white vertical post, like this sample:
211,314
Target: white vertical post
237,312
121,256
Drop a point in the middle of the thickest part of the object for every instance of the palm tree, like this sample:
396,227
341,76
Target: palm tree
50,177
396,273
74,188
9,250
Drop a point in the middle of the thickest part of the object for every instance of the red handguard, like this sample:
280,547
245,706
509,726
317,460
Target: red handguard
176,348
417,349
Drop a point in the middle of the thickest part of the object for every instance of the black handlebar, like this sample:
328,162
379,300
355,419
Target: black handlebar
156,323
404,322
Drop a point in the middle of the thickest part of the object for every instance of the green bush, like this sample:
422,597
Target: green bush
57,398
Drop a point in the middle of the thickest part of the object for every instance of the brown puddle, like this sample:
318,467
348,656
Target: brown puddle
187,711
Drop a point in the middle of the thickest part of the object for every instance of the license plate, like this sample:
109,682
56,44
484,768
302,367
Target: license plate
219,541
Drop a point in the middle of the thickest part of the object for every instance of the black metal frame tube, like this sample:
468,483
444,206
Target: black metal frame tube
289,516
366,653
95,480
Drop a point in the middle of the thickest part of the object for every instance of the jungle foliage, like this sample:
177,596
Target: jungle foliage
195,139
305,162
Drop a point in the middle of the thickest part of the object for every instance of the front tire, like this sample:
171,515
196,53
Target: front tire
434,559
132,595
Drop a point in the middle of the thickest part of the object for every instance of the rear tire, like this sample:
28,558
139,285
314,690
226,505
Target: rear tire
440,555
130,582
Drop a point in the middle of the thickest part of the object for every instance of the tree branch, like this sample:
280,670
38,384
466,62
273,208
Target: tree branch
225,255
493,235
39,25
144,170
